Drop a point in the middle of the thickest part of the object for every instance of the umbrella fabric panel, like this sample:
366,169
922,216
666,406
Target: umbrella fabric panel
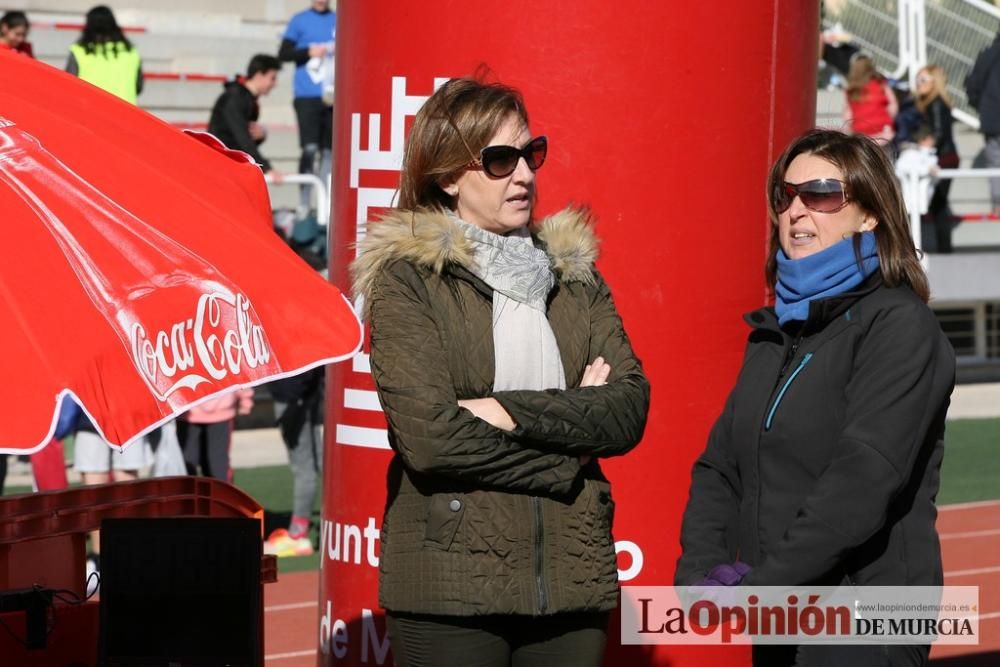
141,274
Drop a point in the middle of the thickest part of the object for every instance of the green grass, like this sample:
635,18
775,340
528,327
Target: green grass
971,469
271,486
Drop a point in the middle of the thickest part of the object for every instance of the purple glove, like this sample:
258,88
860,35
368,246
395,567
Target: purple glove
726,574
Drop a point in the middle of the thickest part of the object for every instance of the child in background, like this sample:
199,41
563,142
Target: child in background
920,157
14,28
205,433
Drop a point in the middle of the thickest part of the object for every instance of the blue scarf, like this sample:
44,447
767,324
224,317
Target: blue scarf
829,272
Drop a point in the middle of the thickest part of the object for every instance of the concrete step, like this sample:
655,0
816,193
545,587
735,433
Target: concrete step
276,112
191,53
977,235
964,276
151,13
196,98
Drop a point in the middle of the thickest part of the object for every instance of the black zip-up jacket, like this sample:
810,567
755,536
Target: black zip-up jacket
938,115
824,465
982,87
232,113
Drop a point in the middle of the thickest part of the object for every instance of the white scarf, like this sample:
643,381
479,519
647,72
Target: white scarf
525,349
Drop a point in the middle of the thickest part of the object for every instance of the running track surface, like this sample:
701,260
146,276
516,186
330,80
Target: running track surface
970,541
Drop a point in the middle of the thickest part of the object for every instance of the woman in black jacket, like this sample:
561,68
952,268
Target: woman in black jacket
934,106
824,466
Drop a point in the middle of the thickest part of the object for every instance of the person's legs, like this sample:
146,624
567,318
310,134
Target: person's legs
940,214
885,655
422,640
187,438
300,431
90,479
299,424
991,160
773,655
308,111
218,440
326,145
92,459
569,639
128,464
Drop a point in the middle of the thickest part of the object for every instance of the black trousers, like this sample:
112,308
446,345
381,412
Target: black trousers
570,640
941,214
206,446
315,130
881,655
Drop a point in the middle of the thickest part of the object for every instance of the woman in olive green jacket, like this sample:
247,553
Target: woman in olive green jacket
505,375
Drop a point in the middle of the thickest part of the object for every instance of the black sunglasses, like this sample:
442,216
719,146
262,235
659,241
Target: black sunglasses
823,195
501,161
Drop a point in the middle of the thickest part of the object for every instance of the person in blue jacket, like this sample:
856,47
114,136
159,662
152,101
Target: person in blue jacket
309,43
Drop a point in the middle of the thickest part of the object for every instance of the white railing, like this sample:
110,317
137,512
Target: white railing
913,182
984,7
873,26
319,191
912,39
904,35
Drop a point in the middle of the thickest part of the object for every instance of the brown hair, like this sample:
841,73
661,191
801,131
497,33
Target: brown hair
940,79
872,185
450,129
861,71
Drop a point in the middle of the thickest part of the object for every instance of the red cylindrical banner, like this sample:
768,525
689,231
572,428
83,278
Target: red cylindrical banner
663,117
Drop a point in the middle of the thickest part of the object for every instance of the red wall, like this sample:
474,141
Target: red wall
664,117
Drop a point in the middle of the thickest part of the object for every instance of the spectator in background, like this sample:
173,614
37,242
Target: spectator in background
918,156
309,43
982,87
871,104
835,53
235,113
205,433
298,411
98,463
935,106
14,28
106,58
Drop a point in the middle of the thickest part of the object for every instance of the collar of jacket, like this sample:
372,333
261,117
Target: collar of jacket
432,240
821,311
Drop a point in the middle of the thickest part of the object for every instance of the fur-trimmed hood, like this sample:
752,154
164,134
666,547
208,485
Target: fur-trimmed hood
433,240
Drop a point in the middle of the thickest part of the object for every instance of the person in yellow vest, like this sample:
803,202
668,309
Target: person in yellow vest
106,58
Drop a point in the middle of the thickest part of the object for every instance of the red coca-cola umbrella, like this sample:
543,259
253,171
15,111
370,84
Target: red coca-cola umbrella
139,272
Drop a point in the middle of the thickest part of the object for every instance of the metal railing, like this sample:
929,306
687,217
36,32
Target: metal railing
973,327
980,329
914,182
957,31
904,35
319,190
873,25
